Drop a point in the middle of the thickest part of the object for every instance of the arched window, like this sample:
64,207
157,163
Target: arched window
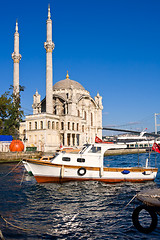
57,126
78,113
55,110
30,125
68,125
41,124
49,124
72,126
53,127
85,115
35,125
82,128
62,125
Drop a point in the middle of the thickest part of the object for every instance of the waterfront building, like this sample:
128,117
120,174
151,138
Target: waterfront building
68,116
5,141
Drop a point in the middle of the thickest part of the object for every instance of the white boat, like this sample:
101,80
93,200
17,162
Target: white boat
137,141
87,165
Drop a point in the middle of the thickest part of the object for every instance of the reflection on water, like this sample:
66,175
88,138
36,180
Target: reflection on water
74,210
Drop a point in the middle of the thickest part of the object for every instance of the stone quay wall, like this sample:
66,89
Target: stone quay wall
6,157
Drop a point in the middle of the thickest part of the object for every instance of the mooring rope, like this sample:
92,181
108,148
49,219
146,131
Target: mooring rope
12,170
122,210
7,222
1,235
22,177
15,225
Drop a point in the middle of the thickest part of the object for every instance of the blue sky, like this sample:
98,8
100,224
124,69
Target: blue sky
109,46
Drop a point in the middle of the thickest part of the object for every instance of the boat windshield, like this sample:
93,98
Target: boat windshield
95,150
84,148
56,154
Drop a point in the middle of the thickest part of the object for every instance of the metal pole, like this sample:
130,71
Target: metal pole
155,116
138,153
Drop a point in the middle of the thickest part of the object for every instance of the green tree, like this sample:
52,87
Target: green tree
10,113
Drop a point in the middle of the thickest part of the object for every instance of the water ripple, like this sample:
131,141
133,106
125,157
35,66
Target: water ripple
74,210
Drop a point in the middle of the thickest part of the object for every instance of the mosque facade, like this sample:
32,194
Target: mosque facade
68,116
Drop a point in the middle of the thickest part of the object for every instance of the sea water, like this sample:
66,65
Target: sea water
74,210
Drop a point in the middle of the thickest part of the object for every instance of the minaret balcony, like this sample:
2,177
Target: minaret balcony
16,58
49,46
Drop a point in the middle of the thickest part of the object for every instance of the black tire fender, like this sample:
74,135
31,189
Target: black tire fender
135,219
81,171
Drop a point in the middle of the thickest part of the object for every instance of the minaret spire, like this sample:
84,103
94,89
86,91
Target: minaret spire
16,58
16,28
49,46
49,12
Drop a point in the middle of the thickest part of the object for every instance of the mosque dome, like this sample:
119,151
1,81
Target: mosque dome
67,83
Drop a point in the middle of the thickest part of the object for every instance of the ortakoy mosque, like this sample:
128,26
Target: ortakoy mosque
67,116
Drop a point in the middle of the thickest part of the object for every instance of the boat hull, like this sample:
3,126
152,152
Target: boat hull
49,172
44,179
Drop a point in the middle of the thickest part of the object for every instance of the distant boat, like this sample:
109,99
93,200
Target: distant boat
136,141
87,165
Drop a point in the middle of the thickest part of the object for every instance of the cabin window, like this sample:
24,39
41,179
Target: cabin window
95,150
80,160
67,159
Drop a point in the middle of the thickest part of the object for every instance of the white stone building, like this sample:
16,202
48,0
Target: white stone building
67,116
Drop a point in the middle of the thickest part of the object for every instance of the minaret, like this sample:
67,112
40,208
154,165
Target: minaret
49,46
16,58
